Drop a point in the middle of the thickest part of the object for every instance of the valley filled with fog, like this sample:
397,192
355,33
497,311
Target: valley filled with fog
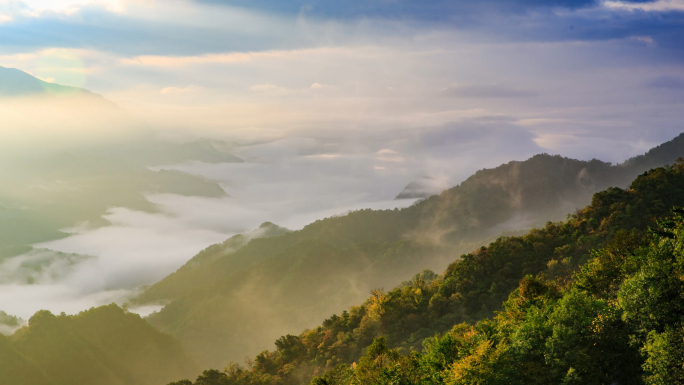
107,261
336,193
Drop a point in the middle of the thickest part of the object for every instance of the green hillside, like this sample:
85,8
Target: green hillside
617,319
238,301
104,346
16,368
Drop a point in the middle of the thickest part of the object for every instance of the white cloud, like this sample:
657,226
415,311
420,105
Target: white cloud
386,151
47,80
185,90
182,61
266,88
387,155
41,8
643,39
654,6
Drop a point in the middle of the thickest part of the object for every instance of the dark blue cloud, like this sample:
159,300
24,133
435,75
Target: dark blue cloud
667,82
499,20
486,92
426,10
662,32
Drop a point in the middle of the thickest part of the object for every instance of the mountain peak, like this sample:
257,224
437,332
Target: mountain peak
15,82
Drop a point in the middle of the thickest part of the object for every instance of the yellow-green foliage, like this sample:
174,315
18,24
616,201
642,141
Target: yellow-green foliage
236,302
601,324
104,346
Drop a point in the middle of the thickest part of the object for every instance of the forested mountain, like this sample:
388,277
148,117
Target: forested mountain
41,195
236,302
104,346
596,299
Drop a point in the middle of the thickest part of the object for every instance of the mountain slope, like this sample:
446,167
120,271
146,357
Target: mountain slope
475,286
14,82
42,195
99,346
16,368
238,302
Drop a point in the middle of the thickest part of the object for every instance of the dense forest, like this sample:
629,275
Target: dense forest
498,305
104,346
595,299
229,302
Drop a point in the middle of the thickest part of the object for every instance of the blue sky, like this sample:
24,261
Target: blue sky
176,27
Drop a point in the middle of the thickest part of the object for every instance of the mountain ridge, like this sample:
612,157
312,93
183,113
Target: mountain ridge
283,283
415,332
15,82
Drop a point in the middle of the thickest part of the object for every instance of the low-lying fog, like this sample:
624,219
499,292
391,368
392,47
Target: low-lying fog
291,181
140,247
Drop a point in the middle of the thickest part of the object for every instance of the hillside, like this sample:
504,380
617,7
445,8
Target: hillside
44,191
104,346
41,195
239,301
587,329
14,82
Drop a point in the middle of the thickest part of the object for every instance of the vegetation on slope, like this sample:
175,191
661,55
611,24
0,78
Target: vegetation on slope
238,302
104,346
619,320
473,288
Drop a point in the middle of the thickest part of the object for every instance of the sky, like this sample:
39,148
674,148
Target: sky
337,105
574,74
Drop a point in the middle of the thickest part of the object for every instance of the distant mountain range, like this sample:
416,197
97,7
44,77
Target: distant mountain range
80,185
504,300
233,299
14,82
238,301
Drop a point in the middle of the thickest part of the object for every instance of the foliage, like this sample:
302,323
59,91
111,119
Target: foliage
238,301
103,345
563,332
617,318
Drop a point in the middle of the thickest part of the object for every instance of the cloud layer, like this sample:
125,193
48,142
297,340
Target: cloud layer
333,105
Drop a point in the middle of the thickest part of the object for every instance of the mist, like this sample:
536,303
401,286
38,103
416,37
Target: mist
290,176
326,112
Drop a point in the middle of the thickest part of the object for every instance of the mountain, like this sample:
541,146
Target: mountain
575,181
39,199
16,368
105,346
9,323
45,193
421,188
174,285
572,291
238,301
14,82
